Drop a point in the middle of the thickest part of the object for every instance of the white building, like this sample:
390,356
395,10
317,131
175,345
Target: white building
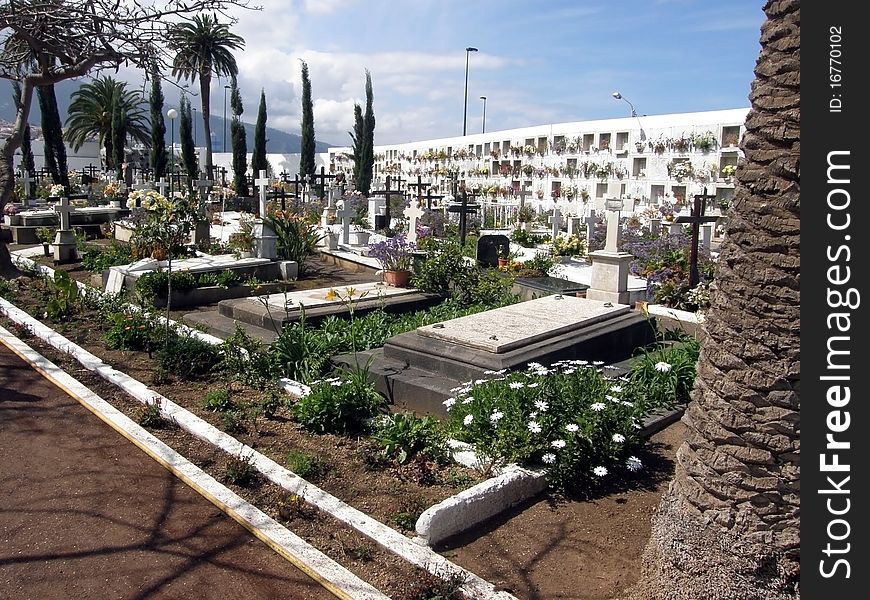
566,161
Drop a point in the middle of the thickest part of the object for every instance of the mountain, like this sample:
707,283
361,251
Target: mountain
277,141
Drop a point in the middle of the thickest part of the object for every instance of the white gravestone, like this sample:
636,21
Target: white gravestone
162,185
706,236
610,266
556,223
64,240
591,221
574,226
266,241
345,214
413,213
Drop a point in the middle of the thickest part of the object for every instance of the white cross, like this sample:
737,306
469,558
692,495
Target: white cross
556,222
263,183
413,213
63,209
162,185
591,221
345,214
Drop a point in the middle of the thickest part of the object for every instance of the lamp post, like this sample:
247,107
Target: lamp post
224,142
619,96
172,114
483,122
465,108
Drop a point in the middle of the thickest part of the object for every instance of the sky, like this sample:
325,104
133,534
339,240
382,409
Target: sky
537,62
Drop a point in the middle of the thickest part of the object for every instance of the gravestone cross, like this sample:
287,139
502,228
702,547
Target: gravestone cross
297,183
430,197
263,183
591,221
696,219
162,185
202,187
413,213
64,240
345,213
523,194
419,187
556,223
322,176
63,210
463,208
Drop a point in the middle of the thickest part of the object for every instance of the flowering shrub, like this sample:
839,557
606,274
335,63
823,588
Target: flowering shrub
728,171
297,236
395,253
10,209
680,169
111,189
56,190
564,245
570,417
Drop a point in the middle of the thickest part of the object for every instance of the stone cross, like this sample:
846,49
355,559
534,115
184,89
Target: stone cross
413,214
706,235
63,209
556,222
162,185
614,207
345,214
655,227
523,194
591,221
263,183
203,186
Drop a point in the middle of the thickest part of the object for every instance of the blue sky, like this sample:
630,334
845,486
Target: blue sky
538,62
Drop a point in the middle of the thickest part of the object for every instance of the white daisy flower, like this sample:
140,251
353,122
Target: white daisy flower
633,463
501,371
541,405
611,398
335,383
558,443
479,381
600,471
598,406
663,367
597,363
449,403
549,458
534,366
533,385
468,400
628,404
515,385
468,419
580,362
489,372
616,389
534,427
572,428
569,371
496,416
618,438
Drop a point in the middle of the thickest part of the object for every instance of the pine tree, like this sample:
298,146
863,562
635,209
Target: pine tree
258,157
158,127
368,147
188,152
358,137
52,135
306,161
239,142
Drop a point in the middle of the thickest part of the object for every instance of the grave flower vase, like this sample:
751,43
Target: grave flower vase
397,278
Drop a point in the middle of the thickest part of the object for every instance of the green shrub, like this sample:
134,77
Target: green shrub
308,466
240,470
339,405
188,357
151,416
99,258
64,296
667,374
404,435
540,264
132,330
437,586
245,358
156,284
297,236
217,401
226,278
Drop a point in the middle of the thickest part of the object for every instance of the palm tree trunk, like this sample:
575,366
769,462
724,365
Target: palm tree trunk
729,525
205,92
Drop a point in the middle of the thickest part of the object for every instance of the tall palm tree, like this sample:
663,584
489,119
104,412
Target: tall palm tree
729,525
92,109
204,48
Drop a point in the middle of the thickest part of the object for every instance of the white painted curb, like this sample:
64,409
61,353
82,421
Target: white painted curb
387,537
311,561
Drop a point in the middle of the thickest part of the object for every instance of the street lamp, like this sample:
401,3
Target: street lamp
224,142
172,114
483,123
465,108
619,96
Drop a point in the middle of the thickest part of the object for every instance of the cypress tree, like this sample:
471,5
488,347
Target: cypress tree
258,157
368,147
358,137
119,139
52,134
239,142
306,162
158,127
188,153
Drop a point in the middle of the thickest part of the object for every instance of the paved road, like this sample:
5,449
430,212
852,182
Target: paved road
85,514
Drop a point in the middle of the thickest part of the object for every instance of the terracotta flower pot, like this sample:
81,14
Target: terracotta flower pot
503,262
397,278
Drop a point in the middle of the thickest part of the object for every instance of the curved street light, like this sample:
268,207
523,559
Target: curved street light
465,109
619,96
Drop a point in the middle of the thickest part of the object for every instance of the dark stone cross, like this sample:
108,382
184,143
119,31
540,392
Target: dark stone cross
463,208
525,191
386,192
419,187
322,176
430,197
280,194
696,219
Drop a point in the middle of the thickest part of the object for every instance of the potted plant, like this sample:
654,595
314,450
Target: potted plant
241,242
503,255
10,214
46,236
728,171
525,215
396,256
359,236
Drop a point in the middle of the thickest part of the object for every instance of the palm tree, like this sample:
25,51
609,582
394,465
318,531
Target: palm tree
92,109
204,48
729,524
